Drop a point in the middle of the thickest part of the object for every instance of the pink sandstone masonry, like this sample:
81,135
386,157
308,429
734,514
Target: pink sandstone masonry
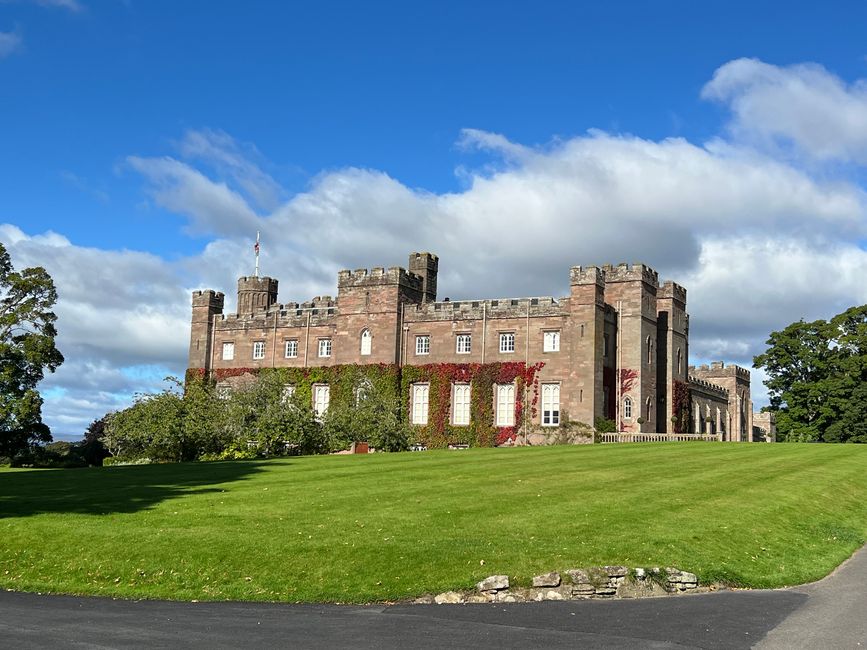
614,347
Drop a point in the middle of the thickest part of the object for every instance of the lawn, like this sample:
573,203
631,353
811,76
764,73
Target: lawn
391,526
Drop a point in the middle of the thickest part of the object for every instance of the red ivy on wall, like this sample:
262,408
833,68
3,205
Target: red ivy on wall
481,432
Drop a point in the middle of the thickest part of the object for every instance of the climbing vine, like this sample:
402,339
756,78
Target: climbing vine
681,401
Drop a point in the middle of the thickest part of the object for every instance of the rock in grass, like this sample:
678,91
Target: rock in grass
547,580
493,583
448,598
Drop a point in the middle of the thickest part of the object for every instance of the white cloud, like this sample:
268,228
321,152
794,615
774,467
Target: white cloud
71,5
757,240
10,42
802,105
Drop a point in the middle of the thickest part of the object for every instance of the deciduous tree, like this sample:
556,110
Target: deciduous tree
27,350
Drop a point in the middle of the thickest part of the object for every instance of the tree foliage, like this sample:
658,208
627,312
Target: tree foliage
27,350
817,378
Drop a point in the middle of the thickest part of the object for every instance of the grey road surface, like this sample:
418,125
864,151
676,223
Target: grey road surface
831,613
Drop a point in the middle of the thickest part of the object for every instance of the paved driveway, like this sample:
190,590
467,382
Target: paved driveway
831,613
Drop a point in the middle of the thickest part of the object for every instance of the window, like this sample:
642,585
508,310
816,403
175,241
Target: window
365,342
464,343
420,395
287,393
362,390
627,408
679,362
321,397
506,405
507,342
604,346
422,344
324,347
461,404
259,349
649,351
292,349
648,408
228,351
550,405
552,342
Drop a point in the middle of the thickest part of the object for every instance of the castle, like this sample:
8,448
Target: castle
616,347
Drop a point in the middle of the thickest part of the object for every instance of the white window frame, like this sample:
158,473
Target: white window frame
230,347
420,394
550,393
258,350
366,342
461,401
321,399
324,348
505,405
507,342
422,344
290,348
627,408
551,341
464,343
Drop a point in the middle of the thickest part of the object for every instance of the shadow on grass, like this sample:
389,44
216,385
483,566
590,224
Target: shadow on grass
99,491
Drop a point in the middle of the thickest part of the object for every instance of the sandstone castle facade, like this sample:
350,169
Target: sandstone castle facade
616,347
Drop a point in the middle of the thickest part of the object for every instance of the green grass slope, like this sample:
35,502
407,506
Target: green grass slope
390,526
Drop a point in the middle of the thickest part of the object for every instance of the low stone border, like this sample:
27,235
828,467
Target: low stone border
579,584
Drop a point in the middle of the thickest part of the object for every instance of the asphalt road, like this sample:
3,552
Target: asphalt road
831,613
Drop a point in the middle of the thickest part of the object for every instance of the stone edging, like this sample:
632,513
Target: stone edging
580,584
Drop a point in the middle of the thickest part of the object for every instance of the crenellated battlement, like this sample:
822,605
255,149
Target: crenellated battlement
379,276
209,298
672,290
720,369
630,273
708,387
491,309
586,275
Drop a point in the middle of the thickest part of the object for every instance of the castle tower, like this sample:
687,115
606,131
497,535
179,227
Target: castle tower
425,265
584,396
256,293
206,305
672,350
633,288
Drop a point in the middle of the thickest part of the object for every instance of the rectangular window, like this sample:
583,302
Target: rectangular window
550,405
259,349
507,342
288,392
464,344
461,404
506,405
228,351
324,347
604,346
420,396
552,341
422,344
321,397
291,349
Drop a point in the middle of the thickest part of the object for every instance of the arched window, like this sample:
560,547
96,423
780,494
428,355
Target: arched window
627,408
365,342
648,407
679,361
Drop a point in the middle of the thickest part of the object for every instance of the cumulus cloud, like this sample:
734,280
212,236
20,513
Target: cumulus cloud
9,42
803,105
758,240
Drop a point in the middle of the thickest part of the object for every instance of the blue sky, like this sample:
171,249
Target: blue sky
143,143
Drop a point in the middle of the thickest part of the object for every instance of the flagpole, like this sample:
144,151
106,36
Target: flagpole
256,248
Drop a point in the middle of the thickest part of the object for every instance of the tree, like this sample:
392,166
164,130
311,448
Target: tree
92,448
816,378
27,350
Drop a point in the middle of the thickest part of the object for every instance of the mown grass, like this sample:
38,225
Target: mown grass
383,527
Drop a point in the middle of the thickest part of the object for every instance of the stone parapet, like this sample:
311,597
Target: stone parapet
378,276
630,273
477,309
708,387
